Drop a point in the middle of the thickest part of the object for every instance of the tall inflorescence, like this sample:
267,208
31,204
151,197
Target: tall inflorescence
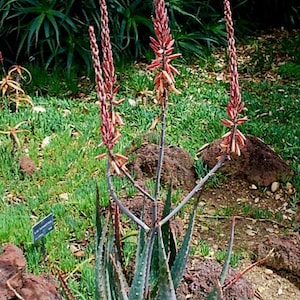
234,139
163,50
110,120
110,78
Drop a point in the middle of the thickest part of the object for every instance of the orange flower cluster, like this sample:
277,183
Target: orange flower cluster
163,49
234,139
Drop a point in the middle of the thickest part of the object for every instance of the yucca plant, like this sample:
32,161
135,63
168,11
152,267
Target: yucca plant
159,266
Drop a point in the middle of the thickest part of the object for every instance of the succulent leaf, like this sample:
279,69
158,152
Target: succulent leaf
166,288
165,228
180,262
101,234
215,294
138,283
228,254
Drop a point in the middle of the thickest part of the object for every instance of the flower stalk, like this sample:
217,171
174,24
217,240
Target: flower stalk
162,47
110,120
234,140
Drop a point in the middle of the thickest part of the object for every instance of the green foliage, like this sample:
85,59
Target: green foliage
131,26
203,248
52,32
290,71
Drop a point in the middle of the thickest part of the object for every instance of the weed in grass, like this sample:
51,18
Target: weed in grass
294,202
130,191
201,169
279,216
204,249
224,211
247,208
258,213
235,258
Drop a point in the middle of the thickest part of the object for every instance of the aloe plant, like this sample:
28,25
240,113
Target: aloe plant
158,267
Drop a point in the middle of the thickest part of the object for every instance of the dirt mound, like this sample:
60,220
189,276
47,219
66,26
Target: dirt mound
16,284
178,165
286,253
258,163
202,275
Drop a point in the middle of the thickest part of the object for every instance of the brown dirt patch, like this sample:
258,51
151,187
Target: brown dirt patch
176,161
257,163
16,284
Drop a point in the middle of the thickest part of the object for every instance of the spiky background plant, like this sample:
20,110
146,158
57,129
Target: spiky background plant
158,266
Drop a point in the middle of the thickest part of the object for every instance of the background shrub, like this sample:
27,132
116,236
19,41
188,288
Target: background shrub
54,33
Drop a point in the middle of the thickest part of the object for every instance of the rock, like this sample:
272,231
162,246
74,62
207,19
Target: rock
253,187
258,163
278,197
269,271
275,186
286,253
290,189
201,277
13,279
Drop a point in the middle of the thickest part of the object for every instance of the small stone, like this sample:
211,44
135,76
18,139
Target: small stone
288,186
73,248
256,200
39,109
290,211
253,187
291,191
268,271
275,186
64,196
251,232
46,142
66,112
242,200
277,197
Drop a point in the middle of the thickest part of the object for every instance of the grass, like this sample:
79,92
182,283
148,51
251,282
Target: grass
66,180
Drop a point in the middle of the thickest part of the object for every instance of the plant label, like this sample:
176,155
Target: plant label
41,228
